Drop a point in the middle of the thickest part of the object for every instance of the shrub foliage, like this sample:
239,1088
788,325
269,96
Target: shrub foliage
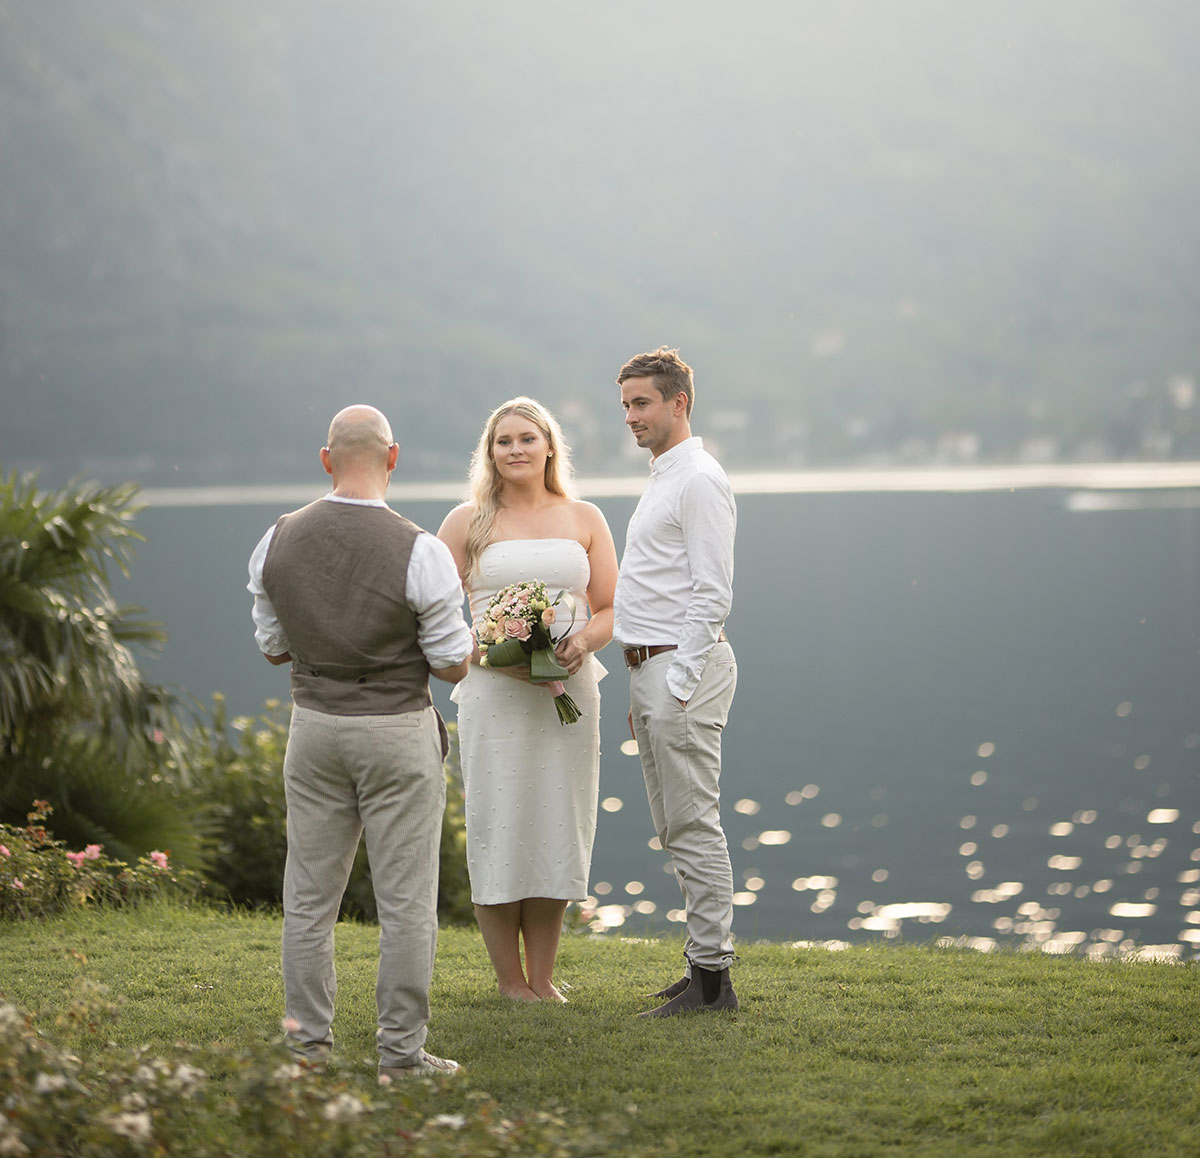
240,782
41,876
212,1102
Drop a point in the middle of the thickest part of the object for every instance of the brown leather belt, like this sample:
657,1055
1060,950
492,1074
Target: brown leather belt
636,656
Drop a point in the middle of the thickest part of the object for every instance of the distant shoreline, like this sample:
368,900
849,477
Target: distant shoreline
1103,476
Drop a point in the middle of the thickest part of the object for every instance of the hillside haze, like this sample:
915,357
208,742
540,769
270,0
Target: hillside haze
880,233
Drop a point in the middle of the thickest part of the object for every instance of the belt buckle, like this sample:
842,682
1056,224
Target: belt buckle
633,657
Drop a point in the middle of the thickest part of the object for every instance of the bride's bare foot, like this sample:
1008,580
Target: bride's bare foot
519,993
548,992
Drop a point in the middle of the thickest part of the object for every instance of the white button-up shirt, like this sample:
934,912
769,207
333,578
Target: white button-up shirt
432,588
675,584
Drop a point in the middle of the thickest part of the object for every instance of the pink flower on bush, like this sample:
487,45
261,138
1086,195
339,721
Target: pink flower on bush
92,852
18,884
4,851
77,858
516,629
159,859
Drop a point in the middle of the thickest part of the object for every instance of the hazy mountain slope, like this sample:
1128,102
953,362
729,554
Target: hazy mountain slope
866,225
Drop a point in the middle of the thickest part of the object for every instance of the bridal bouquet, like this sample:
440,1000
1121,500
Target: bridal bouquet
515,630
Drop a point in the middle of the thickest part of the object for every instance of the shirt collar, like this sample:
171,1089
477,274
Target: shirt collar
332,498
669,458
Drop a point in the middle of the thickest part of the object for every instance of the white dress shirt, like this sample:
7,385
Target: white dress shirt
675,585
432,587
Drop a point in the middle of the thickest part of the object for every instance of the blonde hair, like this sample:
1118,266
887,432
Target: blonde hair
485,481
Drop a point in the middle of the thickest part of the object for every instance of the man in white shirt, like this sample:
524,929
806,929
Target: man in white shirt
674,590
365,606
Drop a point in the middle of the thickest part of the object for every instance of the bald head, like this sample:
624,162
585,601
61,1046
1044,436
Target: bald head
359,436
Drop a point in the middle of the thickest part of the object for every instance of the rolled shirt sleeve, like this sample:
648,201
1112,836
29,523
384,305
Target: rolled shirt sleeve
708,519
268,631
436,596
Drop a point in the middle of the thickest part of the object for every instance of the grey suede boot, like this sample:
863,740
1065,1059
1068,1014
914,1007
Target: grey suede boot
672,990
677,987
709,990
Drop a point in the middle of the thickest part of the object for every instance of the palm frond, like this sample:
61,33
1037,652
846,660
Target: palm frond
64,641
100,796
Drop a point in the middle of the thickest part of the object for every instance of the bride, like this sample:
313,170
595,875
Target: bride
531,783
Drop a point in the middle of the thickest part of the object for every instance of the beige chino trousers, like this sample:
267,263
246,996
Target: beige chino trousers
680,748
346,777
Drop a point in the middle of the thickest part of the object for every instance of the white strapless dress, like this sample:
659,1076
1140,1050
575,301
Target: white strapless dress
531,783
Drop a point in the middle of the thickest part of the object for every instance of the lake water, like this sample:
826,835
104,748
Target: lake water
962,713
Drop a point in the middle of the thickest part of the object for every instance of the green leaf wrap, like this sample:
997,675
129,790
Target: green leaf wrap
543,667
509,653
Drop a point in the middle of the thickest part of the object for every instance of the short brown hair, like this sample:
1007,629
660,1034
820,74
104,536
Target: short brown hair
670,372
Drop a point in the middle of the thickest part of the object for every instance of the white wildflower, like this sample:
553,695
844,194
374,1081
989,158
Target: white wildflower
10,1141
187,1076
47,1083
454,1121
133,1102
287,1073
342,1107
134,1126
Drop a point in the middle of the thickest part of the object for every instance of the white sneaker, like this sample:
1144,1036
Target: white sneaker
427,1065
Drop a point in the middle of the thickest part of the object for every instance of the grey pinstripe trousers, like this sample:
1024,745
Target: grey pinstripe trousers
680,750
380,777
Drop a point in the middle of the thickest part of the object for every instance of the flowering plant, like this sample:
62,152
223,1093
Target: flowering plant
515,630
39,876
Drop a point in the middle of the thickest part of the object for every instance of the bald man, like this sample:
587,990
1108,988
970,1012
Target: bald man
365,606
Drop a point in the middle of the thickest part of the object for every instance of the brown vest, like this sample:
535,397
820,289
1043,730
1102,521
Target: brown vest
336,574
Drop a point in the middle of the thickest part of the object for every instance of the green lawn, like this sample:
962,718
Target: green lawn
871,1051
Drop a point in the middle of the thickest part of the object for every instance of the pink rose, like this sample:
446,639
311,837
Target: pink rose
549,616
92,852
4,851
159,859
516,629
17,884
76,858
